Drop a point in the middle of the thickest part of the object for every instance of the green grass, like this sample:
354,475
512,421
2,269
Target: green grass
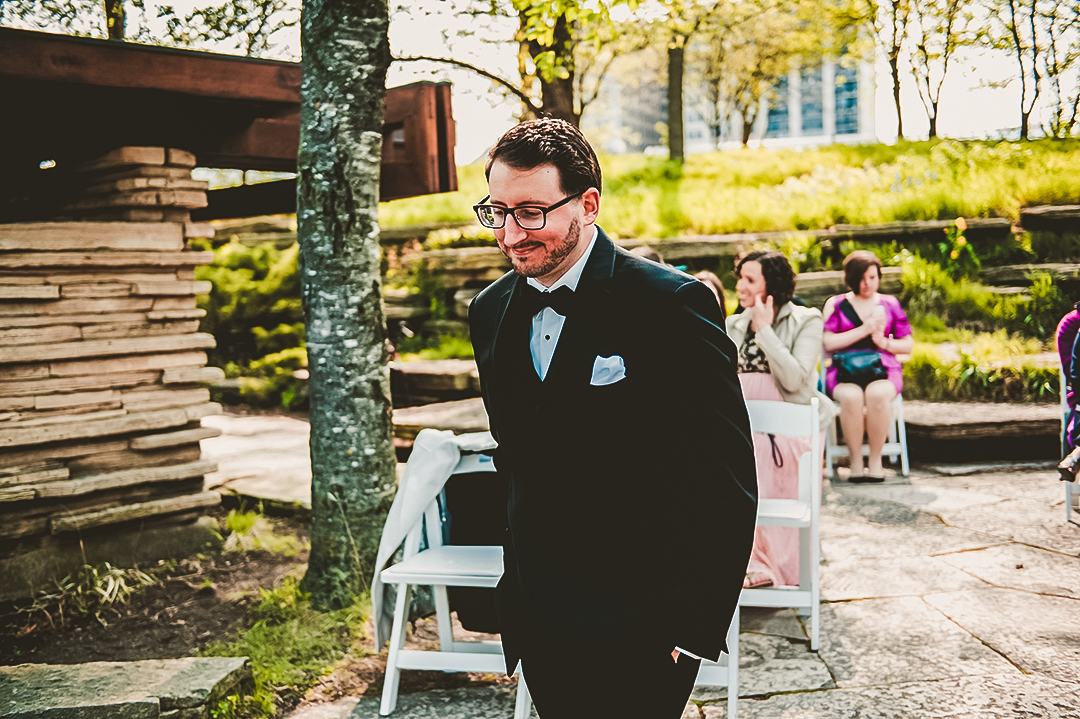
290,646
251,530
753,190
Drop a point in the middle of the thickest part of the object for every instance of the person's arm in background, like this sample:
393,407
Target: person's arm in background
902,340
794,367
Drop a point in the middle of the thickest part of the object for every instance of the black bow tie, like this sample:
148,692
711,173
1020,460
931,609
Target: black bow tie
561,300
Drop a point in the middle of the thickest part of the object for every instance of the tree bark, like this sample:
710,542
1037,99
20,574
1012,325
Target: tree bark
557,93
894,65
346,54
676,57
114,19
747,130
933,120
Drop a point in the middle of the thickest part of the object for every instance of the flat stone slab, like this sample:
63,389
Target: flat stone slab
438,375
970,420
460,417
129,690
1020,520
1017,566
993,697
1040,634
873,578
1042,486
844,537
264,457
900,639
482,702
772,622
995,466
924,495
768,665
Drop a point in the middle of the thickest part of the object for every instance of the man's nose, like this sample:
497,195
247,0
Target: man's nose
512,232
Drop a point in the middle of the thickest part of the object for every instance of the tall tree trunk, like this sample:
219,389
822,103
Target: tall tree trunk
114,18
933,119
346,54
1025,121
557,93
747,129
894,65
676,58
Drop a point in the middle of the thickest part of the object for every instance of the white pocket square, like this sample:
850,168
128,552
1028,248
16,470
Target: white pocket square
607,370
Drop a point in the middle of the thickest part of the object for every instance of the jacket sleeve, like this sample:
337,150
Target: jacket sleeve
793,367
717,488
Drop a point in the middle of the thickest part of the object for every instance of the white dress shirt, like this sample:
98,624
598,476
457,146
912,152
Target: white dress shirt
547,324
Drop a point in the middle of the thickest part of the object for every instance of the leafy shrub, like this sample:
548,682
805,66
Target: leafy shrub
255,314
455,237
929,377
931,291
440,347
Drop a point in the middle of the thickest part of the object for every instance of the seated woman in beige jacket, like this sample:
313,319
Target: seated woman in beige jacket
779,347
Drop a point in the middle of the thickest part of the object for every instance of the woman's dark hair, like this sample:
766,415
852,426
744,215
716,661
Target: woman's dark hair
779,277
549,141
855,266
713,283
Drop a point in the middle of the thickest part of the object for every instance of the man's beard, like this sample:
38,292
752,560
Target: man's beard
557,253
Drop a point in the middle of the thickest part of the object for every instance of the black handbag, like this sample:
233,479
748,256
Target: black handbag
862,364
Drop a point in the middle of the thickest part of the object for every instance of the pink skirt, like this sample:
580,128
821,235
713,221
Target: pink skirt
776,549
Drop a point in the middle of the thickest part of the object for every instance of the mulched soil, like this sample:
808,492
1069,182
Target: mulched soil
201,600
205,599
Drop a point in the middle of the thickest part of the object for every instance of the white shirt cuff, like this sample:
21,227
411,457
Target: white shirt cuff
689,654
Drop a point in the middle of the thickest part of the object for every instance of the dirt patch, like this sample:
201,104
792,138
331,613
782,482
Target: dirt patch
362,675
199,600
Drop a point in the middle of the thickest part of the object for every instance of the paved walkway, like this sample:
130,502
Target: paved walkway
955,595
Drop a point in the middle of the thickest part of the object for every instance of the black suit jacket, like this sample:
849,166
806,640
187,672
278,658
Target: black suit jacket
632,505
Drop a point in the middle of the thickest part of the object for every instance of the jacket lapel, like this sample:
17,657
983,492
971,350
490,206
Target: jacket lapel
571,365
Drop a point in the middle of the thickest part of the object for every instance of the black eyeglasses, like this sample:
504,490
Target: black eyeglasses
527,217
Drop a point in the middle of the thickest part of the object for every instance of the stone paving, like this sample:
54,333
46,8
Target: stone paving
950,596
953,594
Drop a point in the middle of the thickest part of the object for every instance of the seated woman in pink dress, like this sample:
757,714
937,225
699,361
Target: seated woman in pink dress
779,345
865,322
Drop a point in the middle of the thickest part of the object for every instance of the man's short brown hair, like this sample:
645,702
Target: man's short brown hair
855,266
549,141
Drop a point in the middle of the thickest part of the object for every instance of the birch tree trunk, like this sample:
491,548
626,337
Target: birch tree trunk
345,56
676,60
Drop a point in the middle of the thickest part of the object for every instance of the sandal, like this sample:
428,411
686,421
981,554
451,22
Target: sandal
1068,466
865,479
756,580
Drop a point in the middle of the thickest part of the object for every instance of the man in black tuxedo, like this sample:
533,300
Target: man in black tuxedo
611,389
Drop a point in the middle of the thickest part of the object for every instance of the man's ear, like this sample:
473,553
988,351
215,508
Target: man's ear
590,202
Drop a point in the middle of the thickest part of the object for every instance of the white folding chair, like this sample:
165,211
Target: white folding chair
440,566
793,420
1071,488
726,671
894,448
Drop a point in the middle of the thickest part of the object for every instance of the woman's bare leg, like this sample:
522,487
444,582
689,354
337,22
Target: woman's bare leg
850,397
879,397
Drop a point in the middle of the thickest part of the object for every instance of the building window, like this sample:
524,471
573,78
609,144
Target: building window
847,102
778,111
813,110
